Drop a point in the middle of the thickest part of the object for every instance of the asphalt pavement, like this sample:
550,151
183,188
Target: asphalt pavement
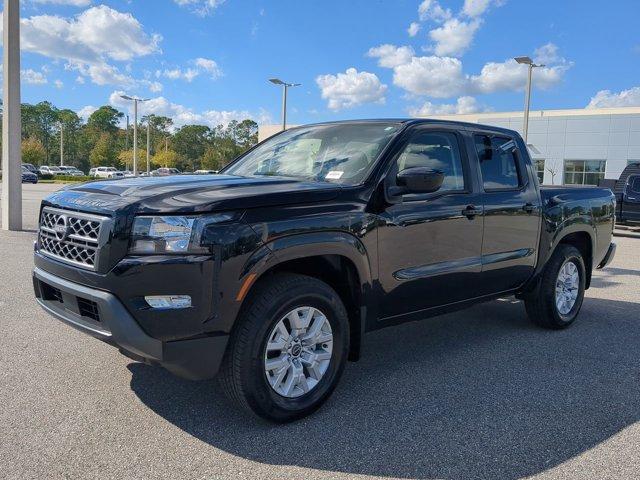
475,394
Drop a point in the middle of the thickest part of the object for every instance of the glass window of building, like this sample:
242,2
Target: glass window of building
584,172
539,164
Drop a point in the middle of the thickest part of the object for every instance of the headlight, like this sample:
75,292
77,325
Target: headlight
171,234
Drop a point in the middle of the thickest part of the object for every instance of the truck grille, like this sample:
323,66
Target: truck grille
71,237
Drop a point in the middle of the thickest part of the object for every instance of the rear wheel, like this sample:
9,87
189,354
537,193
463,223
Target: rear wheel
288,349
559,297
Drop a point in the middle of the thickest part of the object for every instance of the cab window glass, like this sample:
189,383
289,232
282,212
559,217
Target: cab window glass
438,151
498,162
634,185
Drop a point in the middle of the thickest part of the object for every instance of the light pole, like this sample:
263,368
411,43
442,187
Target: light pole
61,144
135,101
527,97
148,142
11,120
285,86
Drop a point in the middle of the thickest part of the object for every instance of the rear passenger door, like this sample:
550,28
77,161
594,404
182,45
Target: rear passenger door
631,202
511,212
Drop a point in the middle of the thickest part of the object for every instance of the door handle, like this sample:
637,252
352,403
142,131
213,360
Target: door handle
471,211
528,207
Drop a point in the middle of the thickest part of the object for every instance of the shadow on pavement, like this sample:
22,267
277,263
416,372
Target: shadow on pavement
475,394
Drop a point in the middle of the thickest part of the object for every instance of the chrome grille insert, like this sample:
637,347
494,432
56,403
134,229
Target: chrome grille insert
72,237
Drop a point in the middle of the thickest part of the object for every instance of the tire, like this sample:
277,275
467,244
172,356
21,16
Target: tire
542,307
243,376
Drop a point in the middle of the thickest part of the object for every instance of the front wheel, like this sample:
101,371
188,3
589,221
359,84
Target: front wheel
558,300
288,349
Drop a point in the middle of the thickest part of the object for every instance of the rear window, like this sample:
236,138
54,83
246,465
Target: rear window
498,162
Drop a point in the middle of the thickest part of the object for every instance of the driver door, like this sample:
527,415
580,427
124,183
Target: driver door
430,245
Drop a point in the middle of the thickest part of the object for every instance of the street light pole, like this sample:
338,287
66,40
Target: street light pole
527,98
61,144
135,101
285,87
11,120
148,143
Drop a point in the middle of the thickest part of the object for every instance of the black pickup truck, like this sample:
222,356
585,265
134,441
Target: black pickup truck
269,274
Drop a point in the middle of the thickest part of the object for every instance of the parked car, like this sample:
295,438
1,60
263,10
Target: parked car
128,173
71,171
31,168
627,192
269,274
28,176
105,172
163,172
51,170
205,172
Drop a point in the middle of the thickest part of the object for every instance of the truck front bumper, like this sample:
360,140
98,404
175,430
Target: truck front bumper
101,315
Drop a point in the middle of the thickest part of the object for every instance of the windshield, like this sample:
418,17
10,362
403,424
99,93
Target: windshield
337,153
54,169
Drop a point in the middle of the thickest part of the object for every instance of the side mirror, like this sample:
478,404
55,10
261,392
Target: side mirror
418,180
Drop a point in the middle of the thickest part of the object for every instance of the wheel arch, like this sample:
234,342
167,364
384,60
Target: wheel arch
337,258
584,242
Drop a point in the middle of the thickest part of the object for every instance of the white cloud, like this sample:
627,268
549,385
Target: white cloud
58,83
453,34
444,77
390,56
510,75
209,66
89,41
475,8
547,54
463,105
32,77
413,29
187,74
609,99
351,88
85,112
182,115
431,10
439,77
73,3
102,73
202,65
80,79
454,37
201,7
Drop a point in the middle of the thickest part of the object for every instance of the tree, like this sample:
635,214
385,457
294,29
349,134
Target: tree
105,119
125,158
211,159
190,142
39,121
33,151
103,154
168,159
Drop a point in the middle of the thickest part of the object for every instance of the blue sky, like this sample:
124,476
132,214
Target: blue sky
208,61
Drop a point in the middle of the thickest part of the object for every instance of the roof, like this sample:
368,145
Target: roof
569,112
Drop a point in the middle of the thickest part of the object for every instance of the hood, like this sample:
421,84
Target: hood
190,194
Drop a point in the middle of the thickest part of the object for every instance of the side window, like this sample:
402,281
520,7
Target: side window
436,150
498,162
634,185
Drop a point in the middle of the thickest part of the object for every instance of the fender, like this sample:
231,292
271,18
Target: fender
315,244
571,218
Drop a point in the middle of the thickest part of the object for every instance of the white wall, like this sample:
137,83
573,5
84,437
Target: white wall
610,134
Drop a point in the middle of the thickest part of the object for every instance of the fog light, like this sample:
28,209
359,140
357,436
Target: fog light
168,301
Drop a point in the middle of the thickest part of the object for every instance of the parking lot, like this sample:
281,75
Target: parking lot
480,393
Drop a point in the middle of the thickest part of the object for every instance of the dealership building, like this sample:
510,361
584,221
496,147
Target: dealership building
579,146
